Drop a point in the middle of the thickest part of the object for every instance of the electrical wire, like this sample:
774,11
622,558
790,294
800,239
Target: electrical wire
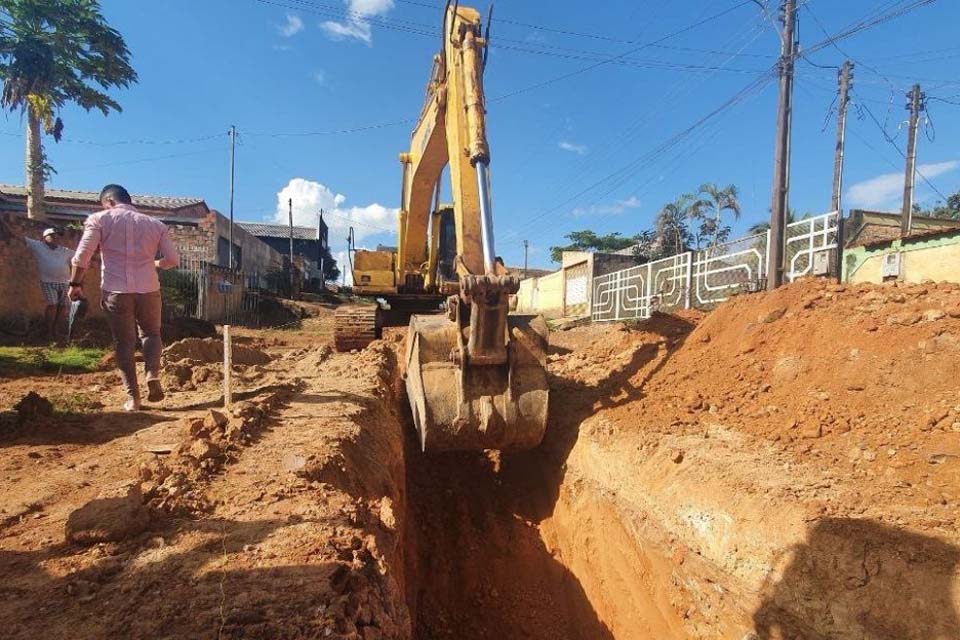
142,160
944,100
114,143
900,151
619,176
625,137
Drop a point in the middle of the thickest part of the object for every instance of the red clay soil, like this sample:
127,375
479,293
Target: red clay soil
785,467
862,379
800,449
280,518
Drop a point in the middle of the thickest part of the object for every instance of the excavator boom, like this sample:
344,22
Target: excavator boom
476,377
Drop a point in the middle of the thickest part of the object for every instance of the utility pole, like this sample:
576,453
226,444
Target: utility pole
526,245
233,147
290,220
320,260
781,163
845,82
916,106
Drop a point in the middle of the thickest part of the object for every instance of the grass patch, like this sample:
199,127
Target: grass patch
75,403
35,360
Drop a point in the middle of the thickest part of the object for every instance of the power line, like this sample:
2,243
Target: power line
944,100
662,107
899,150
114,143
600,63
331,132
619,176
142,160
867,23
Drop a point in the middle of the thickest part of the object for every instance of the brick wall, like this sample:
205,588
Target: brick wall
20,295
195,243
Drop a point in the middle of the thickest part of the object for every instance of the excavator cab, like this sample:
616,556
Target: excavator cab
475,375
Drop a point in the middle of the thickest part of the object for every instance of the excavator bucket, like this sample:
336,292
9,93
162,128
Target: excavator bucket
457,406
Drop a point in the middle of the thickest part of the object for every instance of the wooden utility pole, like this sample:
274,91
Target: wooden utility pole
320,247
845,82
290,220
781,163
233,147
916,106
526,245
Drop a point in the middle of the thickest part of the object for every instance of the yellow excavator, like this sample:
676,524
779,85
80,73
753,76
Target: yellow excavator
475,375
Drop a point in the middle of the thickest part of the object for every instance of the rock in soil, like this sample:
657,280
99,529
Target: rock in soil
115,515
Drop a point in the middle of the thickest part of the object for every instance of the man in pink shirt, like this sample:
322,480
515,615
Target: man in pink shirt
129,243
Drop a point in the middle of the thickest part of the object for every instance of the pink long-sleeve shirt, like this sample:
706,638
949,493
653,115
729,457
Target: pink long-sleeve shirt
129,242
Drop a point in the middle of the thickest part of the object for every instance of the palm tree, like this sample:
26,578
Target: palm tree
711,207
672,231
53,52
763,227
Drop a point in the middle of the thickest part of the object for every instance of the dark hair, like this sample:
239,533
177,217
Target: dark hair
116,192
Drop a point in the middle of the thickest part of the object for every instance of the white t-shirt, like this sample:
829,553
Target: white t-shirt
53,264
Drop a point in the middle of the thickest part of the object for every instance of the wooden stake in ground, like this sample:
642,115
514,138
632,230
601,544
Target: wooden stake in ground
227,367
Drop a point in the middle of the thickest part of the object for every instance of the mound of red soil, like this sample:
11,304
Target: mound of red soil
860,380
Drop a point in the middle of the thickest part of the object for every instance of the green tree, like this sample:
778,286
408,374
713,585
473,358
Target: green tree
763,227
672,228
587,240
949,210
708,210
54,52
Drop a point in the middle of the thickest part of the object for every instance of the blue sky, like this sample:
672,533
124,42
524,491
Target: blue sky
316,88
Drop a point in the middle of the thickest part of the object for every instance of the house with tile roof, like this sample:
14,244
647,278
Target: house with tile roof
201,234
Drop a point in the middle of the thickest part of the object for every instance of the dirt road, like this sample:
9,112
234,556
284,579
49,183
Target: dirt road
786,467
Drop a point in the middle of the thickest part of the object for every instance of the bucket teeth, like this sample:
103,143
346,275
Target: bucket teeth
476,407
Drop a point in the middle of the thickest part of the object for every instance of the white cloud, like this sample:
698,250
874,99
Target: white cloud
320,77
357,25
310,196
885,192
615,208
578,149
293,26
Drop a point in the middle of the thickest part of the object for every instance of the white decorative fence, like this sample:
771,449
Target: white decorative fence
805,239
705,278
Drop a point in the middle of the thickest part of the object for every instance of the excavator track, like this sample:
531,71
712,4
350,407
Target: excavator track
355,326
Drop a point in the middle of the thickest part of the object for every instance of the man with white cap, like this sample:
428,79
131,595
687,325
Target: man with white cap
53,264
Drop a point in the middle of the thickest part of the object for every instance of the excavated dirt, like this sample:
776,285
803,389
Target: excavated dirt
785,467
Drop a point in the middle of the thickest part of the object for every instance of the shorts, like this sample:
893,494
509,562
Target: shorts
54,292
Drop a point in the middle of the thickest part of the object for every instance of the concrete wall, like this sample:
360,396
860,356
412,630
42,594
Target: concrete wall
550,295
543,295
256,256
202,242
936,259
20,295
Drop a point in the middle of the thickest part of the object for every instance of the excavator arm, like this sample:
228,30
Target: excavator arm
476,377
451,130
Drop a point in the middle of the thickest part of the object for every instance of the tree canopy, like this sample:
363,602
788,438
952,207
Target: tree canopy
57,51
587,240
949,209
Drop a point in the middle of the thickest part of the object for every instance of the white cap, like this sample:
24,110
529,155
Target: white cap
50,232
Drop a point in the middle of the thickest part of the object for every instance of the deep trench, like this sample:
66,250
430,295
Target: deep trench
477,565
